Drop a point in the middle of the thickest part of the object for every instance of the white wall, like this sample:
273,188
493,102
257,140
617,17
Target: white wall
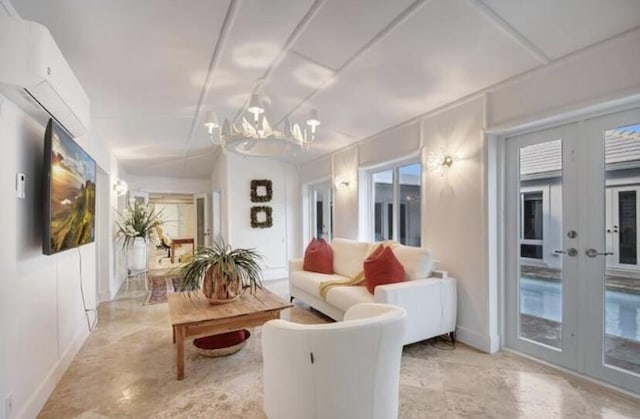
345,201
117,255
42,320
606,71
316,170
167,184
454,214
279,243
219,185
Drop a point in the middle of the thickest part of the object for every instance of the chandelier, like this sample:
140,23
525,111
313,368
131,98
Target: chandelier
254,135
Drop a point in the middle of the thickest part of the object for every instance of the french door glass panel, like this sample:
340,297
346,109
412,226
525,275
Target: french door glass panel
410,204
383,205
540,288
322,218
616,278
203,220
541,303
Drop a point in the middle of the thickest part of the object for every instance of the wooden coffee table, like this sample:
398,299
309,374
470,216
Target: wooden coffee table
191,315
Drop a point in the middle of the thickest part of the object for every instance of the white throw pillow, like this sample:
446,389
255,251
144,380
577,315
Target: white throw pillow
348,256
417,261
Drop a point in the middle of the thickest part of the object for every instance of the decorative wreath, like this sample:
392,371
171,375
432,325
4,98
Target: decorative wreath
266,220
261,190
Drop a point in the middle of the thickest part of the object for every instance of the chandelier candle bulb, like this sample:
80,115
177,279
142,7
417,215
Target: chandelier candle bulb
313,120
259,138
211,122
255,107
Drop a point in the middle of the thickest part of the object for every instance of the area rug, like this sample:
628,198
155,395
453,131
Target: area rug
160,286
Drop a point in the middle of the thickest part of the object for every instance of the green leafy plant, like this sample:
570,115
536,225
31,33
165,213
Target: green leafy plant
139,220
222,272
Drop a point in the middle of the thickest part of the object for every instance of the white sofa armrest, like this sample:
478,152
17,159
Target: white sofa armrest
296,265
431,305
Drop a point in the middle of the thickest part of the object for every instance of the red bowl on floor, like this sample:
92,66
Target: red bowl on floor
222,344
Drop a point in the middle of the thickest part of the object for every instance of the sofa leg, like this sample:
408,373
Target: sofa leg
452,336
291,299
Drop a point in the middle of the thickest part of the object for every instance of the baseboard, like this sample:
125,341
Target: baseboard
41,394
113,290
485,343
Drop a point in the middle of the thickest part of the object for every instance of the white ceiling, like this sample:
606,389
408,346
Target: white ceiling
154,68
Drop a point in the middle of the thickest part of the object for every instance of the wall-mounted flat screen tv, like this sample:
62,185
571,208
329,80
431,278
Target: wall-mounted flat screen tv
69,192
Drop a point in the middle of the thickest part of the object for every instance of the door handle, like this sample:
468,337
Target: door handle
593,253
569,252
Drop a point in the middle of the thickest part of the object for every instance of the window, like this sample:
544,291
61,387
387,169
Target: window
531,225
397,208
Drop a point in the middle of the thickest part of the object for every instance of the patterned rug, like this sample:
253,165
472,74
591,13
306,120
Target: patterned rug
159,286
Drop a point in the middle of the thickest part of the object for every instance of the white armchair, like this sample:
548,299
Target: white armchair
345,370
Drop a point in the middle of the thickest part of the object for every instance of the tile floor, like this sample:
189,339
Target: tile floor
126,369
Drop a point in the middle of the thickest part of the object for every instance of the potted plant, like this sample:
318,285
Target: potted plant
137,225
222,272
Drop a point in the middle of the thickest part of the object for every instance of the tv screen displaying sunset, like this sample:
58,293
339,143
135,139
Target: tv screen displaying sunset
71,197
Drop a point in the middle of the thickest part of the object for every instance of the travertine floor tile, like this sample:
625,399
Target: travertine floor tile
126,369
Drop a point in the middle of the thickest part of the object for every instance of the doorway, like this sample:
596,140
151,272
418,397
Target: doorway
571,284
180,213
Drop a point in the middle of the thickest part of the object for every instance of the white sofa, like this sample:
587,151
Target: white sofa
345,370
430,301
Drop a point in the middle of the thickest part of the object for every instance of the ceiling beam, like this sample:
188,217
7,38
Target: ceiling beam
295,34
9,9
293,37
397,21
506,28
229,19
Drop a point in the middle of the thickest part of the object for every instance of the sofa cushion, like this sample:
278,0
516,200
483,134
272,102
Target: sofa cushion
348,256
382,267
318,257
417,261
310,281
347,296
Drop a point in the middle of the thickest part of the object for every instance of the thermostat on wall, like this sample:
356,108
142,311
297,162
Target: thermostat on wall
20,182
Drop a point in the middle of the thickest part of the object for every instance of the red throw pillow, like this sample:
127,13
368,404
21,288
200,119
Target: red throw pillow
382,267
318,257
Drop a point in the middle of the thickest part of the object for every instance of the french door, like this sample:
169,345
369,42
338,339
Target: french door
321,195
203,220
571,222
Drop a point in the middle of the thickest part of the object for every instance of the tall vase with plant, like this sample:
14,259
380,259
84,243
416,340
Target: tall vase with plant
135,228
222,272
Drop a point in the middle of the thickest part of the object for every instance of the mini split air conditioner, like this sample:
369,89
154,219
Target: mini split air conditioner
31,62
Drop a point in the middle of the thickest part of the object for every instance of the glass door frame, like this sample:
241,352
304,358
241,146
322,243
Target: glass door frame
568,353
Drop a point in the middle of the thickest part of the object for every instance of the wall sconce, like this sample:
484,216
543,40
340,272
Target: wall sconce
341,182
120,187
440,161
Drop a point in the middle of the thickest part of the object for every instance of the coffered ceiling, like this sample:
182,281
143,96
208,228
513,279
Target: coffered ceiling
154,68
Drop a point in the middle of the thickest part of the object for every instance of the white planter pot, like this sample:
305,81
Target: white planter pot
137,257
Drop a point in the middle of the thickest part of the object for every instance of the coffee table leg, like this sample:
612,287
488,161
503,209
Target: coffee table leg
179,331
